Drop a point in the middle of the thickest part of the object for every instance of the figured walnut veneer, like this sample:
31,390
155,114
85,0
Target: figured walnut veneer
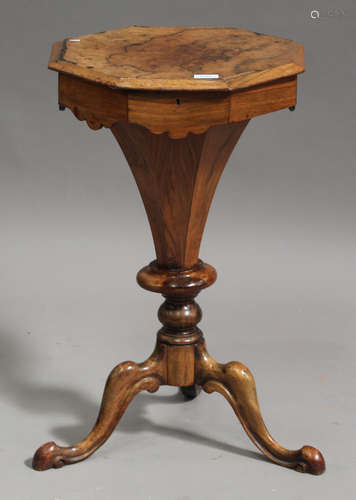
167,57
145,75
177,134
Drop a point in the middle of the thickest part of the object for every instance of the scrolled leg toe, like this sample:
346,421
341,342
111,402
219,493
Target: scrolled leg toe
311,460
48,456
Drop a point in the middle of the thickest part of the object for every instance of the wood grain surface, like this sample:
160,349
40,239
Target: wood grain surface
177,180
177,113
167,58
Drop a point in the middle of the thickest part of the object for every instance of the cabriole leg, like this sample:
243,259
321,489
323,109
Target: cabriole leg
236,383
125,381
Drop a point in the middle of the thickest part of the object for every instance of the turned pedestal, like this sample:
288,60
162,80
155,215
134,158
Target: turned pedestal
177,100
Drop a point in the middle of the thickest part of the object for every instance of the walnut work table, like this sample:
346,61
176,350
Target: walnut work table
177,100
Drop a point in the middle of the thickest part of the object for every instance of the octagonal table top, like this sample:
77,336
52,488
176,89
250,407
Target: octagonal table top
178,58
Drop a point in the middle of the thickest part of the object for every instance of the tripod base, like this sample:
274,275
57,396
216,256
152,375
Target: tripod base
176,173
233,380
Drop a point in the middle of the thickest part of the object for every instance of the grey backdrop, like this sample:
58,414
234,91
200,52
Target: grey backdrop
281,233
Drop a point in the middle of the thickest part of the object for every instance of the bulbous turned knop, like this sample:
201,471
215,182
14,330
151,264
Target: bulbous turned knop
179,315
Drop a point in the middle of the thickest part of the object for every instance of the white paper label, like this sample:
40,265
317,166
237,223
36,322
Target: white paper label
201,77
